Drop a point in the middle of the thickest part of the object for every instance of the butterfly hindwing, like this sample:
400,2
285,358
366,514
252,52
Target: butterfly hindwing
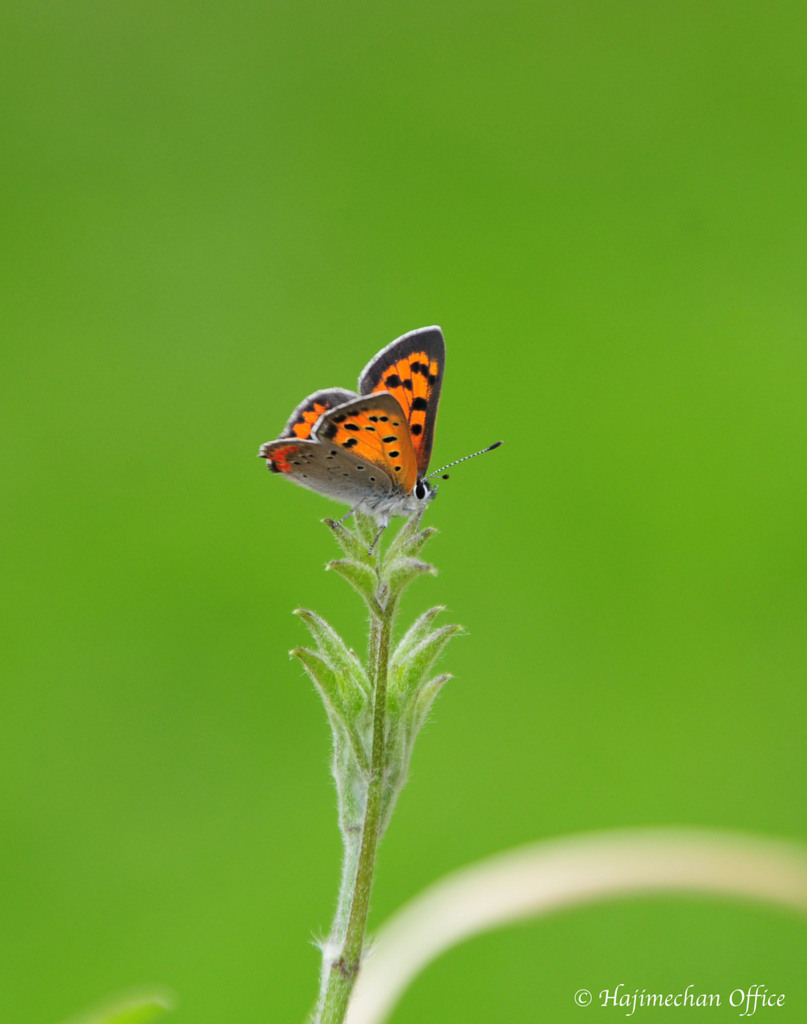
302,420
411,370
326,469
357,450
373,430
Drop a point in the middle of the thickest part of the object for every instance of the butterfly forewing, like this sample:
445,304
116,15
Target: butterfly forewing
374,431
411,370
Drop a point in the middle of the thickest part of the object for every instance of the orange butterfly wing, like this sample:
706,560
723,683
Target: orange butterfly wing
373,429
302,420
411,370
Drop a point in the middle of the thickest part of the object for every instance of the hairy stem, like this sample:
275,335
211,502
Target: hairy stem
343,953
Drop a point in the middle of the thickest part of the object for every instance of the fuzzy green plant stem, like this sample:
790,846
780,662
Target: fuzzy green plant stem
375,713
356,888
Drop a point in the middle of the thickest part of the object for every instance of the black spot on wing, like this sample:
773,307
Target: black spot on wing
419,404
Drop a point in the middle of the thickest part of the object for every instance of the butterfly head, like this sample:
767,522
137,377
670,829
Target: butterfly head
424,492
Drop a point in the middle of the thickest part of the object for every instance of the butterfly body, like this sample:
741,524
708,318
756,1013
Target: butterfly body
370,449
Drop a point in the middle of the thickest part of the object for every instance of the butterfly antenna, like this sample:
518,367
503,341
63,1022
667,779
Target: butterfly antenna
465,458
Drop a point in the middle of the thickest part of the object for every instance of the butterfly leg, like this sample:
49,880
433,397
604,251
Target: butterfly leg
376,538
347,515
383,523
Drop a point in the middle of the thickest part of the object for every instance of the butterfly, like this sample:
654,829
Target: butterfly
370,449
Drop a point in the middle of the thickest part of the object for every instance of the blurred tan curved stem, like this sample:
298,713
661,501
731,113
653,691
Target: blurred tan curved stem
532,880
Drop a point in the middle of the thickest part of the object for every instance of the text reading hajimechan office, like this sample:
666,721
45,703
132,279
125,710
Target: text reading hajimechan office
748,1001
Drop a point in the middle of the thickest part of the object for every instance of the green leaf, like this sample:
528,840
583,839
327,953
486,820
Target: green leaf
361,577
325,678
350,774
409,540
353,545
427,695
413,636
343,715
415,545
403,571
339,656
406,674
366,530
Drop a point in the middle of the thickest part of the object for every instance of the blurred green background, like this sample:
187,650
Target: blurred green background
210,211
